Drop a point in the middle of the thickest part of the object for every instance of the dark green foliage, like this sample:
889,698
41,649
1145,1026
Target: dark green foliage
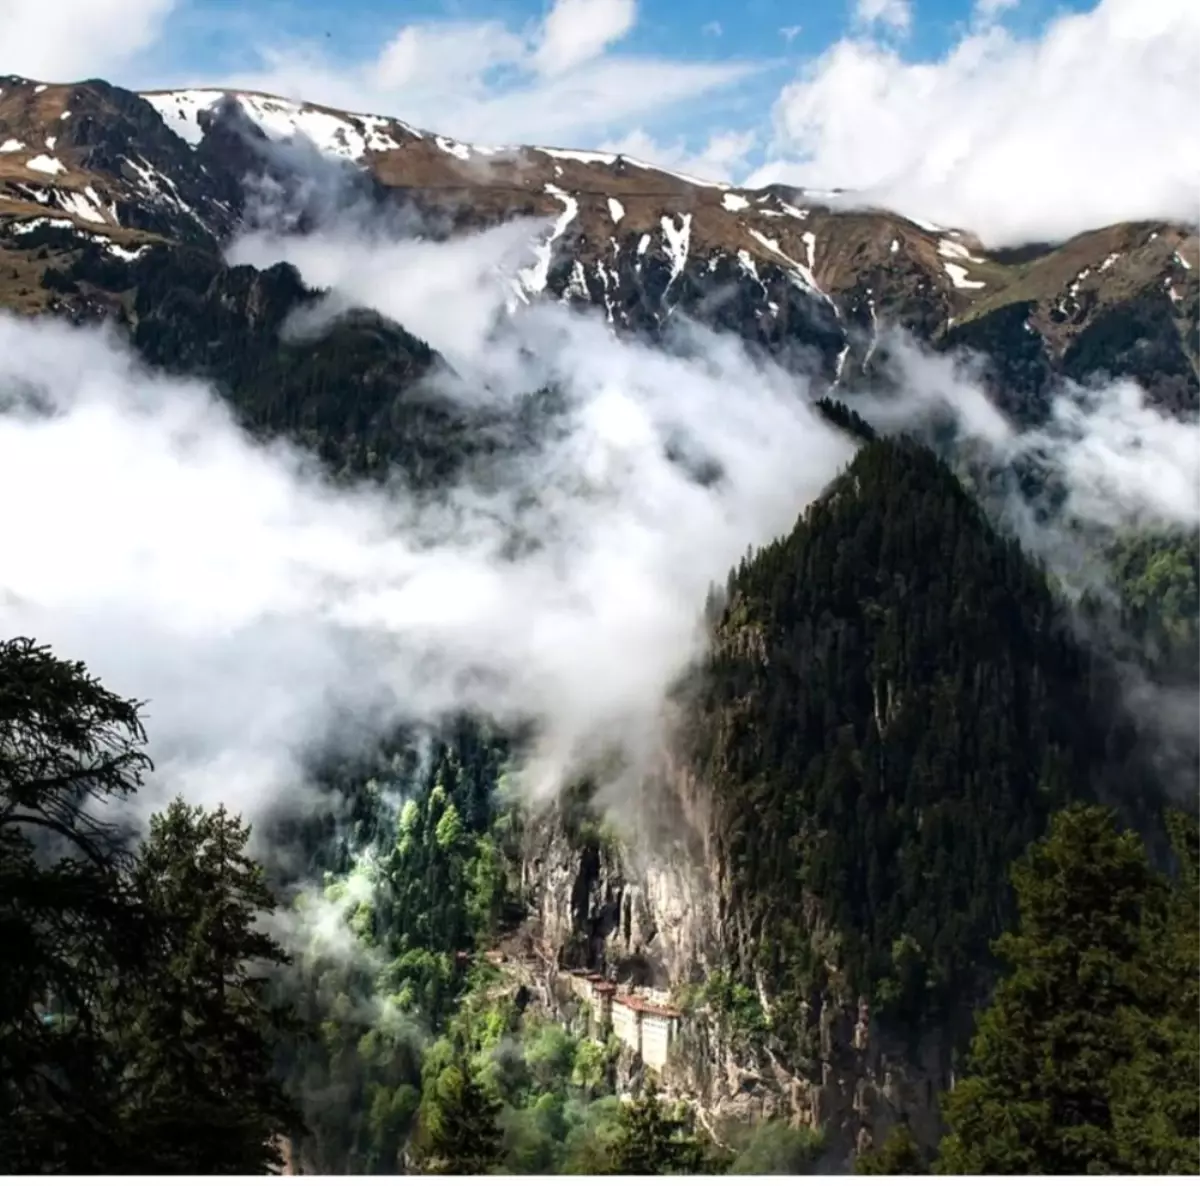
56,280
199,1095
68,918
893,707
1156,1103
1138,339
776,1147
653,1139
134,1036
898,1155
1017,370
458,1131
1088,1058
845,418
354,391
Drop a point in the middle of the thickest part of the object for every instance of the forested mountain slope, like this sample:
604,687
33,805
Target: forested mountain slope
896,702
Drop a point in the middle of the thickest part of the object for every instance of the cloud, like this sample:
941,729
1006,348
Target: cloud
722,158
893,14
489,97
712,29
575,31
77,38
790,32
260,609
1087,124
1120,462
447,56
989,10
560,80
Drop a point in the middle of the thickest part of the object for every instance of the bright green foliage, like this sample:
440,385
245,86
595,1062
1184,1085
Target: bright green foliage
736,1003
592,1062
550,1054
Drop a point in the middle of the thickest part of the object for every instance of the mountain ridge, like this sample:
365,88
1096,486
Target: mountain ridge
631,239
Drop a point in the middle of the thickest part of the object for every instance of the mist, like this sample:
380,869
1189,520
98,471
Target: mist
265,613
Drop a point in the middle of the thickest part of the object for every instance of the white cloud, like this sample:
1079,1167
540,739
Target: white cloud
712,29
1122,462
483,82
575,31
447,56
988,10
556,81
76,39
258,608
1090,123
894,14
722,158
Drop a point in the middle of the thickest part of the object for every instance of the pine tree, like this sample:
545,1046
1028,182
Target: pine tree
1156,1097
650,1140
898,1155
457,1131
200,1095
1043,1092
69,922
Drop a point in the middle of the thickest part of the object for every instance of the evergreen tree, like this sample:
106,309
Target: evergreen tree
651,1140
1069,1068
457,1130
134,1036
898,1155
200,1095
69,922
1156,1097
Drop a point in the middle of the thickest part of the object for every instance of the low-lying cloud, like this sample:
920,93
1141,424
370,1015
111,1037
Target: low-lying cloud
261,610
1119,462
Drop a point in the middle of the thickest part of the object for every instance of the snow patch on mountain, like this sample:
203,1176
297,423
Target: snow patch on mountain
29,225
45,164
958,277
678,240
533,279
349,136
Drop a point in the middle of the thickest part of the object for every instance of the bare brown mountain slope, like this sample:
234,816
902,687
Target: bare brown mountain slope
785,268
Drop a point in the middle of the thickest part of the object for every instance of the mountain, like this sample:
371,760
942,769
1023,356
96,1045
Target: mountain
788,269
895,702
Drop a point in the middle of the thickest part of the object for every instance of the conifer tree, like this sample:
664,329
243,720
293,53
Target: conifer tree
458,1131
1073,1067
200,1094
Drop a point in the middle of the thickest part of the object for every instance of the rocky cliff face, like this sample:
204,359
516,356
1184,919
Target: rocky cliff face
649,904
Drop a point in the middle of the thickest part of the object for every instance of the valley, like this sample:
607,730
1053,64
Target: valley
748,878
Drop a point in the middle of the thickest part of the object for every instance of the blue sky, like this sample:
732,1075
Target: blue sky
760,46
776,38
1015,118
